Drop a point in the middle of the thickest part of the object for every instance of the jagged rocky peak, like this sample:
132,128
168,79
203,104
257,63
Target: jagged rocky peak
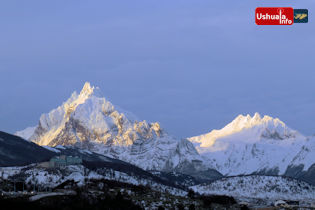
87,89
268,127
87,117
87,120
243,122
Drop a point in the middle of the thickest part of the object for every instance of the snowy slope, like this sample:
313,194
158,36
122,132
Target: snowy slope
26,133
80,174
254,144
87,120
263,187
306,155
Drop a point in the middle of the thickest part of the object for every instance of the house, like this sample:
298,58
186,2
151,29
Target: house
61,161
280,203
197,164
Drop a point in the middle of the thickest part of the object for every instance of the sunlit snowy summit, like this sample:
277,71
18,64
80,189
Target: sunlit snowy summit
255,144
87,120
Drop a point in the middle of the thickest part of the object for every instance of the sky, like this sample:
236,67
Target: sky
191,65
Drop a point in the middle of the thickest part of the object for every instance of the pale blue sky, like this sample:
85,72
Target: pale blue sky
191,65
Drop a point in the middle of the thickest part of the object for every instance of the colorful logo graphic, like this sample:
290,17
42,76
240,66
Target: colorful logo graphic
300,15
280,15
274,16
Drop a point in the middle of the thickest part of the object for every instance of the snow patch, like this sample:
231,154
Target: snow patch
60,147
26,133
52,149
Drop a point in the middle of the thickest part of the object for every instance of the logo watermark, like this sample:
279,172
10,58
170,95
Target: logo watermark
274,16
280,15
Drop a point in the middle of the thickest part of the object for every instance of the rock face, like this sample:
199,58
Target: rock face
260,145
89,121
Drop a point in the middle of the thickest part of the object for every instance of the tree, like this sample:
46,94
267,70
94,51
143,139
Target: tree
191,193
192,207
180,206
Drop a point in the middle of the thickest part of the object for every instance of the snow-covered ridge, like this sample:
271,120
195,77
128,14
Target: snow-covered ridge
253,144
263,187
256,126
90,121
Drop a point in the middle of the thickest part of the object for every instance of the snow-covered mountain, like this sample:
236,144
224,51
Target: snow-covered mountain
255,145
87,120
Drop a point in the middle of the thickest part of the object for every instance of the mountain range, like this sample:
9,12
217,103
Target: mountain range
247,145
